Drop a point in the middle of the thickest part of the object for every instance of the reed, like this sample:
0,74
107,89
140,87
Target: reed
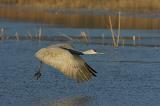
123,42
76,20
85,37
116,35
142,5
40,34
68,37
102,39
112,33
119,28
17,36
2,34
7,37
134,40
36,36
30,36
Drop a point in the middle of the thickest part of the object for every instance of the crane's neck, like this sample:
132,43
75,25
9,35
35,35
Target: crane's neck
89,52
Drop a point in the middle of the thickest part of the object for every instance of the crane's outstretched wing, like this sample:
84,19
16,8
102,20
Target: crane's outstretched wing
69,64
62,45
66,47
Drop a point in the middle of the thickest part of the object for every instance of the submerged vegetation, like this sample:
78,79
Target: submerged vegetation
139,5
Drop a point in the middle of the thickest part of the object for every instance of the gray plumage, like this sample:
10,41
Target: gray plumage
67,60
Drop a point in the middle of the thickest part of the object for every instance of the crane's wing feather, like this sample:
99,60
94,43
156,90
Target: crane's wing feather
74,51
66,62
62,45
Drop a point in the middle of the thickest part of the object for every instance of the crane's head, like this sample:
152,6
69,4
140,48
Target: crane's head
91,51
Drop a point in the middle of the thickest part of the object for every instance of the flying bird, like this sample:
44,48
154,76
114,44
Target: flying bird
67,60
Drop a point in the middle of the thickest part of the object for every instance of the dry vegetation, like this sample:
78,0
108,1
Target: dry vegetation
140,5
78,20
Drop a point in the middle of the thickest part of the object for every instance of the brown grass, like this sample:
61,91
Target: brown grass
136,5
77,20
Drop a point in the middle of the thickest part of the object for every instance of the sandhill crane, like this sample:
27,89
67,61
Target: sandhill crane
67,60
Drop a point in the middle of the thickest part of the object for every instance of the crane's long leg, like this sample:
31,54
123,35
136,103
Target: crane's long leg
38,74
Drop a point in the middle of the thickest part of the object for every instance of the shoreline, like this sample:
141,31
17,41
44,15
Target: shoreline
117,5
80,18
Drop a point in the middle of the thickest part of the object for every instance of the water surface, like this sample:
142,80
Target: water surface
126,76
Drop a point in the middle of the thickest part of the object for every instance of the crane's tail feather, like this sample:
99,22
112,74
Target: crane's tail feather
91,70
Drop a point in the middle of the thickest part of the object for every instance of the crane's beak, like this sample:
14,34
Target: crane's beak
99,53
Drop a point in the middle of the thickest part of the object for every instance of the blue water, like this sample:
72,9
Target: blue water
126,76
24,28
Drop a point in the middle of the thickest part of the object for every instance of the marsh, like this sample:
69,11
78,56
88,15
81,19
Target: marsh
126,75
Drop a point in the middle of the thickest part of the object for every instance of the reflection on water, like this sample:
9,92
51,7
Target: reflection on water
81,18
71,101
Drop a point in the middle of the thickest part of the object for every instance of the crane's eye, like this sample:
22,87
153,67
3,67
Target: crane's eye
94,50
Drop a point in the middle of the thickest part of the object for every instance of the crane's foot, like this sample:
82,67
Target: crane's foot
37,75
